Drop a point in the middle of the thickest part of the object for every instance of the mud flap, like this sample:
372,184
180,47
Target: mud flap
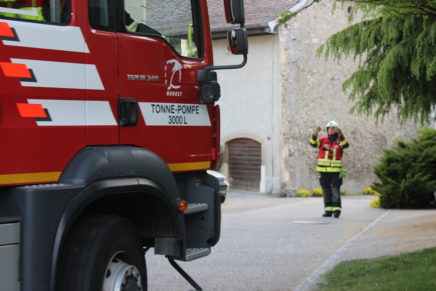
203,217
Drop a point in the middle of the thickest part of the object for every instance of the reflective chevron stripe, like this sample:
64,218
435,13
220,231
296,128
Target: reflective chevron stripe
61,75
75,113
56,37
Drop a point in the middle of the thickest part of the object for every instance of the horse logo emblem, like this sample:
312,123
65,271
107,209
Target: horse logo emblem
176,74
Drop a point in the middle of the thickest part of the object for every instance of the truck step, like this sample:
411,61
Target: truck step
193,254
196,207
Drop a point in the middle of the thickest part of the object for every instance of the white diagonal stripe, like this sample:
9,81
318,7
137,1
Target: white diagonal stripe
99,113
62,75
76,112
43,36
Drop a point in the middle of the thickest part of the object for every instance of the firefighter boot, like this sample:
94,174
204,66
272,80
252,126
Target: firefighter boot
337,213
328,214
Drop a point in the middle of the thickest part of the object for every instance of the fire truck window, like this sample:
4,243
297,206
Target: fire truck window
172,20
100,16
51,11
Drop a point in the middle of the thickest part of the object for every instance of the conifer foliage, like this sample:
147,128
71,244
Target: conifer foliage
407,173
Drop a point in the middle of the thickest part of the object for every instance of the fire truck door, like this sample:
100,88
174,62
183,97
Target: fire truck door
159,55
141,77
102,41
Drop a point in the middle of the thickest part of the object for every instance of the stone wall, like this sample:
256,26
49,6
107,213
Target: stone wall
312,95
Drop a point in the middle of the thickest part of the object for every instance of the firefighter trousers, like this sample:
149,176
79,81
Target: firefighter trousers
331,187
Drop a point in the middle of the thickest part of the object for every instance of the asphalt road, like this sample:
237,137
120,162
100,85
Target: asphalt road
284,243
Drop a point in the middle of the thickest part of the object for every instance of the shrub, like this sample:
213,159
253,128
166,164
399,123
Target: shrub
407,173
375,202
303,193
317,192
369,191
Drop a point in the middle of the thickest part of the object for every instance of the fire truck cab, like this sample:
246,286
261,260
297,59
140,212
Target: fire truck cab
108,124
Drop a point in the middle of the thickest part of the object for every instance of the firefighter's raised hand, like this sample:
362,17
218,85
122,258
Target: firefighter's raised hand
316,131
338,131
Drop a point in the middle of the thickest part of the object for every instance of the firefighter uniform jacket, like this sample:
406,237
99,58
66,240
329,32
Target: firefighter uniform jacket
34,6
330,153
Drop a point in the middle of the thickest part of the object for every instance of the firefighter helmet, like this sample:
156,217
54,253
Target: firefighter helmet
332,123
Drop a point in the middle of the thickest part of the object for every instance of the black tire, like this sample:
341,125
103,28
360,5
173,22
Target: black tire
95,244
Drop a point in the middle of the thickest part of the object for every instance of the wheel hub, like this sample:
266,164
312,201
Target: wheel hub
121,276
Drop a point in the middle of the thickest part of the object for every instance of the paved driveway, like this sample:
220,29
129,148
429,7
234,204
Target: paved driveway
284,243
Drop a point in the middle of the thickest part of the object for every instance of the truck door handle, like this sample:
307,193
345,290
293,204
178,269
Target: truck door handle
128,112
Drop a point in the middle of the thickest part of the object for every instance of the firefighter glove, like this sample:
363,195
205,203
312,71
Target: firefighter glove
316,131
342,173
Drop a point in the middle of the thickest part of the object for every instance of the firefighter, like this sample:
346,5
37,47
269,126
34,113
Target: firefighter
330,166
135,26
7,4
34,7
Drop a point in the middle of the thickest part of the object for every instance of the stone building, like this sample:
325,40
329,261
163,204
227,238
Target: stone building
270,107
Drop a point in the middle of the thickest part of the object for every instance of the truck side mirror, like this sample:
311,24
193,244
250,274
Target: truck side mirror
234,10
237,42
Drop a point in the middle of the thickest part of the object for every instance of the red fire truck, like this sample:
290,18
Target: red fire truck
108,124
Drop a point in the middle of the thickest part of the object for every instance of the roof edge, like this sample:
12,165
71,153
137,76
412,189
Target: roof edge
254,29
259,29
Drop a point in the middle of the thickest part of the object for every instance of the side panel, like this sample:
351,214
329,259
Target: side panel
58,94
39,208
9,254
37,138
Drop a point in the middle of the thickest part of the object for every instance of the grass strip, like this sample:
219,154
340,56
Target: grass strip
412,271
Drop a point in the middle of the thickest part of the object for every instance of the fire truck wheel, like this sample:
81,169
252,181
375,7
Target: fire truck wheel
103,253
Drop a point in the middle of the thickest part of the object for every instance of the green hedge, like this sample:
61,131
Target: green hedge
407,173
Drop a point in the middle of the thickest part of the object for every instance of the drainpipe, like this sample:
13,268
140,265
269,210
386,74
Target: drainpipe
296,8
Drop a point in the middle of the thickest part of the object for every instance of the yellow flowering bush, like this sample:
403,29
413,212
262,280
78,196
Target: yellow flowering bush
369,191
303,193
317,192
375,202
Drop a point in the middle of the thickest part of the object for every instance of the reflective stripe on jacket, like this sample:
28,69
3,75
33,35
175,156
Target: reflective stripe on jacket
7,4
132,27
34,6
329,155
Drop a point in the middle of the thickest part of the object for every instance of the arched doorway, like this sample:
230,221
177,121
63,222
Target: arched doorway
244,160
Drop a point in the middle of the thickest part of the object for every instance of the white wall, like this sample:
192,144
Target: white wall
249,102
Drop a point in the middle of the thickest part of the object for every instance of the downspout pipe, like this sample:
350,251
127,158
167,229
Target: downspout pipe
295,9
